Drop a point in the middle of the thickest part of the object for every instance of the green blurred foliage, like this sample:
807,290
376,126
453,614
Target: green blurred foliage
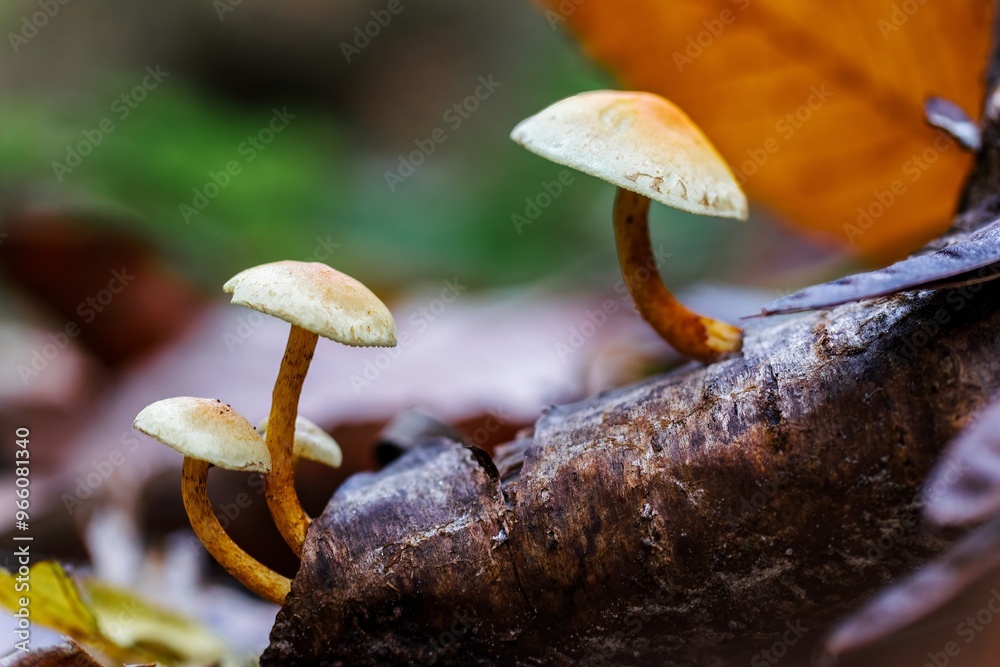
321,182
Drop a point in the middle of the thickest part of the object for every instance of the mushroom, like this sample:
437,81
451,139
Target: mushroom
317,301
651,150
311,442
208,432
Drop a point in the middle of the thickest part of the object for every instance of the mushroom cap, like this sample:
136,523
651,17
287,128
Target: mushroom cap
311,442
205,429
640,142
209,430
317,298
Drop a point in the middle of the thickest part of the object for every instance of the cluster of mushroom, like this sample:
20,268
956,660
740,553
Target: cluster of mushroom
650,149
637,141
317,301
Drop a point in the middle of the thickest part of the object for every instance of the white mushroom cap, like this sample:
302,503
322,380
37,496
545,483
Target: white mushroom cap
205,429
209,430
317,298
640,142
311,442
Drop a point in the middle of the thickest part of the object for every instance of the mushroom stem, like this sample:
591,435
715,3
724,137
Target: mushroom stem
261,580
279,485
692,335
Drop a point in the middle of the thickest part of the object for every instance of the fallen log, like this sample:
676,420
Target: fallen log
695,515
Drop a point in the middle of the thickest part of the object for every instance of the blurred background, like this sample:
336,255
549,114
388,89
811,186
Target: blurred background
150,151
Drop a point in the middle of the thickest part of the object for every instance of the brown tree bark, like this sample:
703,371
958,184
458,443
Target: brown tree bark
676,517
712,516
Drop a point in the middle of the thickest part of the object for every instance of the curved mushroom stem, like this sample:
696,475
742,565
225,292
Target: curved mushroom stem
261,580
279,485
692,335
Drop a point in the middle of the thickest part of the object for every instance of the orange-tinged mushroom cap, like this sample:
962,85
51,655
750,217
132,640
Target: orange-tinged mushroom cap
640,142
317,298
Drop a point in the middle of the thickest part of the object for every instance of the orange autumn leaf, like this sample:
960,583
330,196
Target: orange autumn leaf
818,106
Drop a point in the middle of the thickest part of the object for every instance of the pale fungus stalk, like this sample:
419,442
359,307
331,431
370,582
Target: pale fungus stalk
652,151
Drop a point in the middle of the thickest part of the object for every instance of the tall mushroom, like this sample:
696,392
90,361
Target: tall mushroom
317,301
651,150
208,432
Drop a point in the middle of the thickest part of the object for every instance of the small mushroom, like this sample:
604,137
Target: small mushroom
311,442
317,301
651,150
208,432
